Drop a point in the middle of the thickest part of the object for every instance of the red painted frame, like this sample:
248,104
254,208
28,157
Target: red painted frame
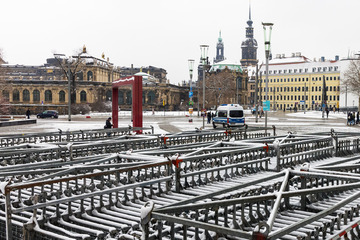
136,83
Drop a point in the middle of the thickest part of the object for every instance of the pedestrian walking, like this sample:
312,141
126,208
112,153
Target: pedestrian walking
208,117
327,112
28,113
357,118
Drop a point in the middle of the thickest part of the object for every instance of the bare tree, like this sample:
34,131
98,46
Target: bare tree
220,87
352,77
70,66
4,88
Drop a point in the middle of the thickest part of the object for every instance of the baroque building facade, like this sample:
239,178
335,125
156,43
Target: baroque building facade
46,87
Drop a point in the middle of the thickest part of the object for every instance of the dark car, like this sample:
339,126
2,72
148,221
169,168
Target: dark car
48,114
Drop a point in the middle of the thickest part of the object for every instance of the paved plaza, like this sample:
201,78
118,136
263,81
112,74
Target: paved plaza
172,122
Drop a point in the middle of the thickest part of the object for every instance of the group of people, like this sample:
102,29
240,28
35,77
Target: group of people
351,120
209,116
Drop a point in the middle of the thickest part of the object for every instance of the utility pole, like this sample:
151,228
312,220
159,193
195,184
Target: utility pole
323,97
305,99
274,107
256,93
69,94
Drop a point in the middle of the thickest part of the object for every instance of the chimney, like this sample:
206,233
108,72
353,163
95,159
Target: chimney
322,59
336,57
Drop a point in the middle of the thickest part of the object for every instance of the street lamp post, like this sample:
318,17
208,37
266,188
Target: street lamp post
191,69
204,51
267,37
305,99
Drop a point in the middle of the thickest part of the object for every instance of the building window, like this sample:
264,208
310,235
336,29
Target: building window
128,98
36,96
300,70
305,69
83,96
314,69
90,76
16,96
290,70
61,96
151,97
108,95
285,71
335,68
26,95
48,96
80,76
121,97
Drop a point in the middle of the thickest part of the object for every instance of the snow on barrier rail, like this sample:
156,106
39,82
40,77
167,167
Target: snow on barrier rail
205,190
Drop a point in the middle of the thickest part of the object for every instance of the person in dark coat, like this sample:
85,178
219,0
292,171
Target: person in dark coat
208,117
327,112
28,113
357,118
108,123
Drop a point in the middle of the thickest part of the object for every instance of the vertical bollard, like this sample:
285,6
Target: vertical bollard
274,130
8,215
304,168
146,211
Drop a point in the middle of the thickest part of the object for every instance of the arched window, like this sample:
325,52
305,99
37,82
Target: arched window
48,96
108,95
26,95
83,96
61,96
121,97
90,76
128,98
79,76
151,97
36,96
16,96
5,95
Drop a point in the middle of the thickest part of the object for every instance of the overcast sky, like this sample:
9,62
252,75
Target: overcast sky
166,33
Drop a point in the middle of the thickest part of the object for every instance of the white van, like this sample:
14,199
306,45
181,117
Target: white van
229,115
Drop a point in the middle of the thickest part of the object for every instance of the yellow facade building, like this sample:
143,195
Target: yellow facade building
297,81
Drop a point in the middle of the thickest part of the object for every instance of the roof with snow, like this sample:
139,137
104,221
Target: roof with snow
233,66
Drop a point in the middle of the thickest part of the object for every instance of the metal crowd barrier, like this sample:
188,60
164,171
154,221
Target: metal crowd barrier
203,190
69,136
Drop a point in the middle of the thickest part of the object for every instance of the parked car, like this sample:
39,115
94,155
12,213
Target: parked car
48,114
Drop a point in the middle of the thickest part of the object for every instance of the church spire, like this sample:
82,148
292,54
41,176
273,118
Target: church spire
249,45
219,49
250,22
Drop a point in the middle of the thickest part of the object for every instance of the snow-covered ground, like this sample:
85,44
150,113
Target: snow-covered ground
170,122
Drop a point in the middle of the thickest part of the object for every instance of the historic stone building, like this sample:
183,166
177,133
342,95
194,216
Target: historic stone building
46,87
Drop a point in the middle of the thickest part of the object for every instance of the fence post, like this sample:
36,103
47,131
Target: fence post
145,218
8,214
274,130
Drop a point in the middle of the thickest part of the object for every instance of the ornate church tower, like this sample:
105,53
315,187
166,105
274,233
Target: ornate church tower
249,46
219,50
